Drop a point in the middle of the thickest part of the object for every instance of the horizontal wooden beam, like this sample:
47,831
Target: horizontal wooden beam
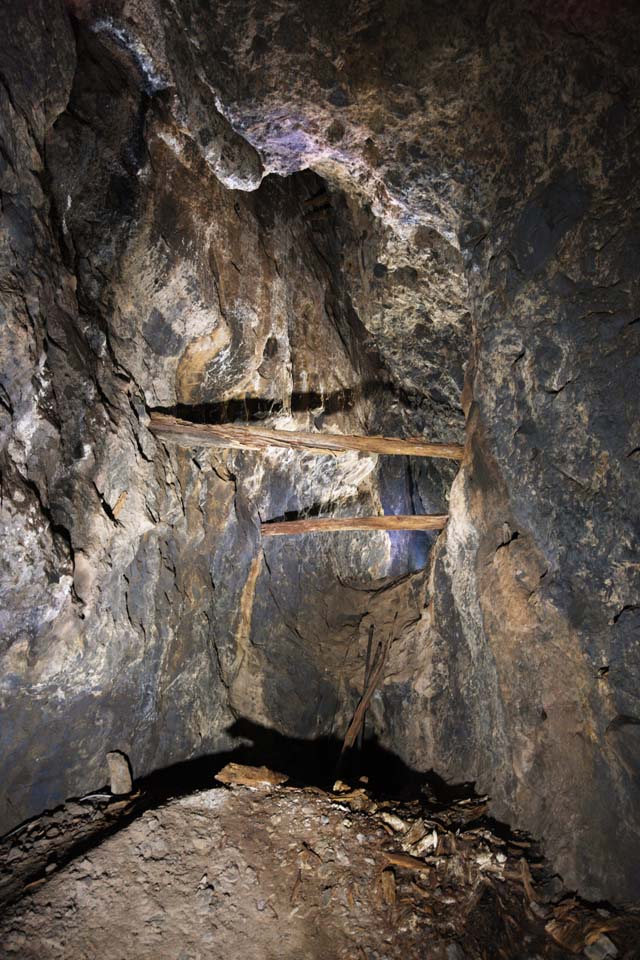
261,438
338,524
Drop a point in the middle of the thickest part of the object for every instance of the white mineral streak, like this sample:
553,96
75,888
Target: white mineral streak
154,80
462,546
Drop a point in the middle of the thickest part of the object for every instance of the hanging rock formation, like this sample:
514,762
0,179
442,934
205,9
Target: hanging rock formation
352,217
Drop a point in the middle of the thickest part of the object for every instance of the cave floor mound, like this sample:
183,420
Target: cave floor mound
276,871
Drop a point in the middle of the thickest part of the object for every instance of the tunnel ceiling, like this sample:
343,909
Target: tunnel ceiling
374,217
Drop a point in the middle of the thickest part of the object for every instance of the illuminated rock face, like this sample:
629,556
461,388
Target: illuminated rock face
332,216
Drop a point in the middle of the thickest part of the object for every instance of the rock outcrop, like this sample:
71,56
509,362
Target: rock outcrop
364,216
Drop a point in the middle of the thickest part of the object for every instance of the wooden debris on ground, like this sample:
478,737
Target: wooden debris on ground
440,856
388,880
406,861
436,869
575,928
238,774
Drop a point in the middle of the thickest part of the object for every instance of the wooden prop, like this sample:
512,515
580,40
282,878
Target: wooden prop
339,524
261,438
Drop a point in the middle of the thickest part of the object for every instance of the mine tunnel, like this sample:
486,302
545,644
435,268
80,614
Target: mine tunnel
319,480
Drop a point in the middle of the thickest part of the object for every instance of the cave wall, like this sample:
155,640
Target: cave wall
147,267
159,250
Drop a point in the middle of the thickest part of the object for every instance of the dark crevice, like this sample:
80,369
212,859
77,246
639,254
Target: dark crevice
246,409
626,609
555,391
314,510
59,530
511,538
5,400
107,508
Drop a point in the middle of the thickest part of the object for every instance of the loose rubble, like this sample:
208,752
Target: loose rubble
258,868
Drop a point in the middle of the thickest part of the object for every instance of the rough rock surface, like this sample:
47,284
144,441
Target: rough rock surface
165,242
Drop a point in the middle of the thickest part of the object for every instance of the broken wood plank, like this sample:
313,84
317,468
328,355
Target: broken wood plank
377,669
406,861
367,667
338,524
239,774
245,437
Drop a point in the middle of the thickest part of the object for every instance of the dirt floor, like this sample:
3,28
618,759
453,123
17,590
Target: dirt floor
255,870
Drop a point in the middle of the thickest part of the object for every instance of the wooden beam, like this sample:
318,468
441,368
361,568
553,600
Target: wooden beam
338,524
260,438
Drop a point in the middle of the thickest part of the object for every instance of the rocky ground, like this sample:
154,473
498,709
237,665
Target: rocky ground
253,867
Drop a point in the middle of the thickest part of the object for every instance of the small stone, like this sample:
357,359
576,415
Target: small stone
396,823
601,949
454,952
551,889
341,787
120,779
539,909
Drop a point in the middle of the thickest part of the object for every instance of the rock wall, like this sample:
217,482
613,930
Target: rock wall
317,214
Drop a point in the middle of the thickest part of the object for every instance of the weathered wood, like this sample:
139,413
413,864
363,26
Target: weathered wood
338,524
405,860
367,668
369,690
260,438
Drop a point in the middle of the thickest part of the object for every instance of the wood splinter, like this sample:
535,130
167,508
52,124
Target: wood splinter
339,524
